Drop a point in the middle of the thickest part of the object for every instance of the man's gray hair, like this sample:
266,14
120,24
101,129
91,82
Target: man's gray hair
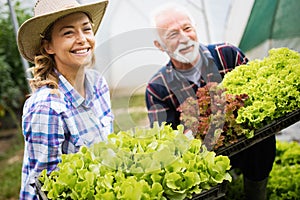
162,10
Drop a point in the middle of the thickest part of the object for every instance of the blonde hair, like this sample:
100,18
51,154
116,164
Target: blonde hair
43,72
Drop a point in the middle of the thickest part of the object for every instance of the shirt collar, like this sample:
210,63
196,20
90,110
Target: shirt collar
72,95
205,52
69,91
172,74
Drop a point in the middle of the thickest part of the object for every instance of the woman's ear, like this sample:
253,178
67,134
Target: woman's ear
47,46
158,45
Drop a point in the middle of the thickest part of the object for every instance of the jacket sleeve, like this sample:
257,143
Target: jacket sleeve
227,56
159,107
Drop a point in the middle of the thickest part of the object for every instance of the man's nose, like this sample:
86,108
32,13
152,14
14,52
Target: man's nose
183,37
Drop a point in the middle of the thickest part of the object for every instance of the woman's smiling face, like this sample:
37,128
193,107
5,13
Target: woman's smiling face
72,42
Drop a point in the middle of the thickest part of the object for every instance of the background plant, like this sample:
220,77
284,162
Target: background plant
284,179
13,85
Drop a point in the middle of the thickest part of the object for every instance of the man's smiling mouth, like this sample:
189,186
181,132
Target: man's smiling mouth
186,49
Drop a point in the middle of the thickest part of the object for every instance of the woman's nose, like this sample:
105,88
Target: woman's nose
81,38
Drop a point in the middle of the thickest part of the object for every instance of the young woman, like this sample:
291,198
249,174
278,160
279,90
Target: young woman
70,102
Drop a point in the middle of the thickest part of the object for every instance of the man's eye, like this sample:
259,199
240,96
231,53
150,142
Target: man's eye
173,35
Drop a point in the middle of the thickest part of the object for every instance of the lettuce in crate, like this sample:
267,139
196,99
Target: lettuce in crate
156,163
272,83
212,116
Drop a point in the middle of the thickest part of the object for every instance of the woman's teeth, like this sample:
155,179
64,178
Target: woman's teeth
81,51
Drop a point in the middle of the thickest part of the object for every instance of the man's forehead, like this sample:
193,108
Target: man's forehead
170,18
173,24
174,28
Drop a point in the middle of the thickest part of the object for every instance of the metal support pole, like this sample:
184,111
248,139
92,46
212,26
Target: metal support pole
202,9
206,20
16,27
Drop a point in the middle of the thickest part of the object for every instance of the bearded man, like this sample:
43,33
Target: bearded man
193,65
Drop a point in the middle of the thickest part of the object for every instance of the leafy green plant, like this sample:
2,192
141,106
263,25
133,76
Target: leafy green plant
273,86
284,181
11,173
212,116
156,163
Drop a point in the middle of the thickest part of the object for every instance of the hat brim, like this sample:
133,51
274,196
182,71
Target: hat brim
29,40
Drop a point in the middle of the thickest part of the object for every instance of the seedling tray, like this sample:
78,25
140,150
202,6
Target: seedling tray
41,195
261,134
215,192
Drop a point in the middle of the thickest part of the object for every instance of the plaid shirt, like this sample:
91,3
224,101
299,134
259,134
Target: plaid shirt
60,124
167,89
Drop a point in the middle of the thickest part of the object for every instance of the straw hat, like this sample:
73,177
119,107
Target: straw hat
45,13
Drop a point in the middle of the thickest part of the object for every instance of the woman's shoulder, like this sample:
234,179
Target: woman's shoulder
95,77
46,97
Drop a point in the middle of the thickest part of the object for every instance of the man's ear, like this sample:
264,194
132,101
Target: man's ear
158,45
47,46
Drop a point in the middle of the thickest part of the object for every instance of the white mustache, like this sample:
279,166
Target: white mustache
185,57
185,46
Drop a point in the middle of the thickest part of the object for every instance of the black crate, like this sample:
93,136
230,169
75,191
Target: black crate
215,192
41,195
261,134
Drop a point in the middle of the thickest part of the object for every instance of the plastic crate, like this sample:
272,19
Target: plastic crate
261,134
215,192
41,195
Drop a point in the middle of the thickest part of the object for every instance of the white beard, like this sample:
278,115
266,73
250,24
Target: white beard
188,57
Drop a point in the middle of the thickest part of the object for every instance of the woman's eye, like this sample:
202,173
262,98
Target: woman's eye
68,33
87,29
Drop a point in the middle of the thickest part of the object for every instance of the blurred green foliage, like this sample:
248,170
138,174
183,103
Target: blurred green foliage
13,84
129,111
